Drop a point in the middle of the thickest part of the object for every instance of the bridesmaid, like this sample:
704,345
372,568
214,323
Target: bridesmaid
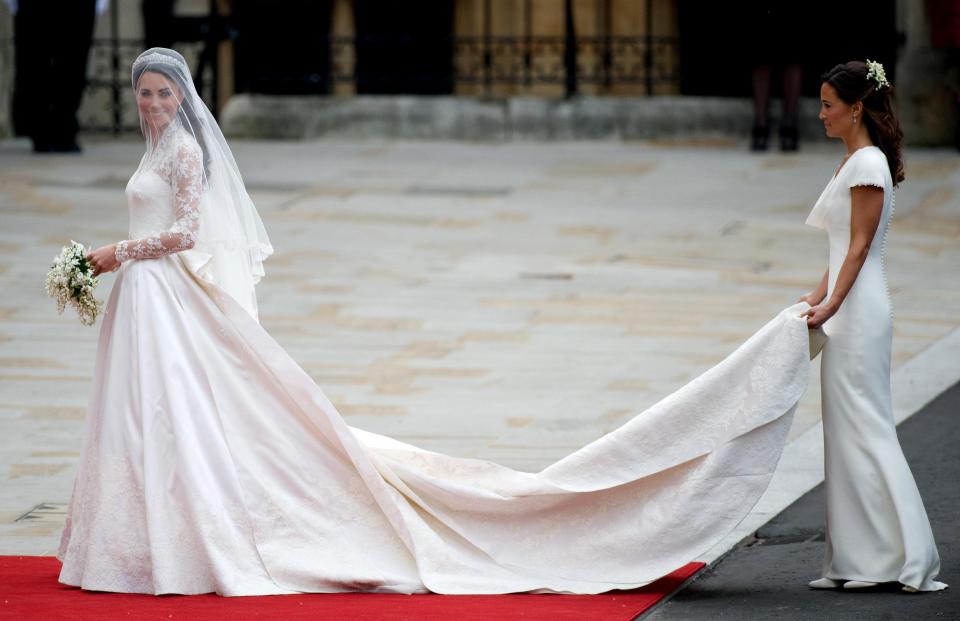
877,529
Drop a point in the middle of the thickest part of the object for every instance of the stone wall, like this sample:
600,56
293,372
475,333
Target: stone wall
927,83
509,118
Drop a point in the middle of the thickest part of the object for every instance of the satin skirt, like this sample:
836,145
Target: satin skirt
212,462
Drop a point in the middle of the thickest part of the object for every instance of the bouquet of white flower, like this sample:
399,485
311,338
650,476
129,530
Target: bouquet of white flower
71,281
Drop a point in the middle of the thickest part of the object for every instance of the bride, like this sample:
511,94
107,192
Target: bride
212,463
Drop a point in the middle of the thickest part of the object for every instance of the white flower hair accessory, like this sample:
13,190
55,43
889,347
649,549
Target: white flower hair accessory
876,73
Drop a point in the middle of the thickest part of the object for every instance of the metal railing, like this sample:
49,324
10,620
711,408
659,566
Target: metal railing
521,61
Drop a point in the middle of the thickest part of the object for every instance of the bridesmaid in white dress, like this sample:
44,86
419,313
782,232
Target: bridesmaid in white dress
212,463
877,529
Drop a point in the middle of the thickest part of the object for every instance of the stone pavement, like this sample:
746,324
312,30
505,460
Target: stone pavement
508,301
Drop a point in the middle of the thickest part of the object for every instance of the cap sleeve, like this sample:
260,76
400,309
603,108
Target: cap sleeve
869,169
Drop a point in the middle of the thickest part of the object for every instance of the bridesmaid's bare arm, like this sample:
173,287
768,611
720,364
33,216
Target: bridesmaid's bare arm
866,209
816,296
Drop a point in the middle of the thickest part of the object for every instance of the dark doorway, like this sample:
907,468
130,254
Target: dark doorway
721,42
402,50
283,47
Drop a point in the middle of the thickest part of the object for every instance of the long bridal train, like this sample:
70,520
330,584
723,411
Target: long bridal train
234,473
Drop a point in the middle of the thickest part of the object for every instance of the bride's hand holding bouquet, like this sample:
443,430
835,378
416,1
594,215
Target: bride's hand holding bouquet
103,259
73,277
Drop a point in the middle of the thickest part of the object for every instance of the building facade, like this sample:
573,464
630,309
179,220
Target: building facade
502,49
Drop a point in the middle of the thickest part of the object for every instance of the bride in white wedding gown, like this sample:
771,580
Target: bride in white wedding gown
212,463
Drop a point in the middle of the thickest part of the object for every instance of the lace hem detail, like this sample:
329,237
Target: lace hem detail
868,184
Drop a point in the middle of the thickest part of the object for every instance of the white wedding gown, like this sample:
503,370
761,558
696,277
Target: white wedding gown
212,463
877,528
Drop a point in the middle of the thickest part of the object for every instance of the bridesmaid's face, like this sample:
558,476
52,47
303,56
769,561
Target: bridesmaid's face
158,99
836,114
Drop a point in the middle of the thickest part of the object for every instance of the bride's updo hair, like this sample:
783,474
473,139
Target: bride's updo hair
172,65
852,85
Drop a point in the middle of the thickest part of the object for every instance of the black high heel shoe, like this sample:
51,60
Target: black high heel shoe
788,138
761,137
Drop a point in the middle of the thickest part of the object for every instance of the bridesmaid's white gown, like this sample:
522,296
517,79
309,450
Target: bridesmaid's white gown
877,528
212,463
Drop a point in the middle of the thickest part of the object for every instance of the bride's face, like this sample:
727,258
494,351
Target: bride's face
836,114
158,99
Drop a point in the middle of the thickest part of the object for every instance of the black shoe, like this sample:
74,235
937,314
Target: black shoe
761,137
788,139
69,146
55,146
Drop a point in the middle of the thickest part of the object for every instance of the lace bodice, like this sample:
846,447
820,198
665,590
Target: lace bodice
163,197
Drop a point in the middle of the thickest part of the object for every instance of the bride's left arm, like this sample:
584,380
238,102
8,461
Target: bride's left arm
866,209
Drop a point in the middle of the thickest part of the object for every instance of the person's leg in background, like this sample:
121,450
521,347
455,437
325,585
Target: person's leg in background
52,42
73,35
791,78
761,107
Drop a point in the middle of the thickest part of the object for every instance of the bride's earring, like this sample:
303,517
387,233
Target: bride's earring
854,119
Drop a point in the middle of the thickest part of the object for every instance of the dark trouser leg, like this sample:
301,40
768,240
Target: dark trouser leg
792,75
31,67
73,35
761,107
53,43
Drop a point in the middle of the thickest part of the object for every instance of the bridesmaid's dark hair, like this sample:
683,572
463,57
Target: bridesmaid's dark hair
852,85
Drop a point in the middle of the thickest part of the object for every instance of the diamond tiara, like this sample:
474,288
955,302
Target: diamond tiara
162,59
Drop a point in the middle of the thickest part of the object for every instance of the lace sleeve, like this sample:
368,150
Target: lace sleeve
187,180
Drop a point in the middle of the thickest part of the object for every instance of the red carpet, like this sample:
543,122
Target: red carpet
29,590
